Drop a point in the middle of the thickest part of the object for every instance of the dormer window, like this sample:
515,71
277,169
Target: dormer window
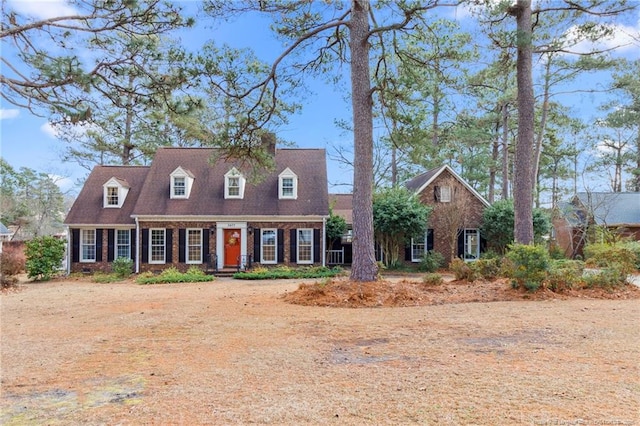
234,184
181,183
114,193
288,185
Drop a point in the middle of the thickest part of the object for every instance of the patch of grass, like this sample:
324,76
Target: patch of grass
285,272
172,275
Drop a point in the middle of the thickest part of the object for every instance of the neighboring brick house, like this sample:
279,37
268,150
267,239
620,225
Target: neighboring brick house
187,210
619,212
454,224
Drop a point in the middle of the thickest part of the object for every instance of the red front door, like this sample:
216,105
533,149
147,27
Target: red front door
231,247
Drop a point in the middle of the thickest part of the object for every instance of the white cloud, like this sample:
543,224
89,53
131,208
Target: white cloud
49,130
6,114
623,38
43,9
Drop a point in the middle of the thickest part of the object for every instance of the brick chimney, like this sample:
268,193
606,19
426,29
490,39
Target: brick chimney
269,143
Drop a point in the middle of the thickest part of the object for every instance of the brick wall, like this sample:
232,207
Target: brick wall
172,229
464,205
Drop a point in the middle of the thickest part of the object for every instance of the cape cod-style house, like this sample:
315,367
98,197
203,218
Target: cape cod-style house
190,207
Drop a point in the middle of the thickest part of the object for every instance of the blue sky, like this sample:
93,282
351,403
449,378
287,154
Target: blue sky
28,141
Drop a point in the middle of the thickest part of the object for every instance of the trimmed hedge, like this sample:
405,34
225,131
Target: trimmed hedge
284,272
172,275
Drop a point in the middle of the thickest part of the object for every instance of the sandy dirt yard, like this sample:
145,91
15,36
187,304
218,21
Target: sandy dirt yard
235,352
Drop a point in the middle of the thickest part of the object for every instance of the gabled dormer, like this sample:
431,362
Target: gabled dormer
114,193
181,183
287,185
234,183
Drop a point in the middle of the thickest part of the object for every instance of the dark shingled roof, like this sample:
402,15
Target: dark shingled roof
612,208
342,205
417,182
88,208
207,194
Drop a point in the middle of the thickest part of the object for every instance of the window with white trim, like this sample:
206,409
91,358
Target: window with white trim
445,194
418,246
287,185
157,245
123,244
87,245
471,244
305,246
269,246
179,186
234,184
112,196
194,246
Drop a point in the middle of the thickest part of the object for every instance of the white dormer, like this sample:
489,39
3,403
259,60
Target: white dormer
287,185
181,183
234,183
114,193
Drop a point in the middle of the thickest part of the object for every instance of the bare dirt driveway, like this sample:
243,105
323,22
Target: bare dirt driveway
234,352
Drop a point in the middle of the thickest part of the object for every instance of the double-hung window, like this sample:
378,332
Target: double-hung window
269,246
305,246
194,246
418,248
157,246
123,243
88,245
233,187
112,196
179,186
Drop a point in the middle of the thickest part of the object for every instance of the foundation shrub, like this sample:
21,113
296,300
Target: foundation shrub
431,261
122,267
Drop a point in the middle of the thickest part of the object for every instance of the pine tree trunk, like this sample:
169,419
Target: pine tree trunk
505,151
364,267
524,155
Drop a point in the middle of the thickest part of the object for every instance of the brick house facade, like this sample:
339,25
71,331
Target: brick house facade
186,210
454,223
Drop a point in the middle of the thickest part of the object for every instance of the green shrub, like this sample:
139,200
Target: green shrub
173,275
285,272
431,261
44,257
610,277
564,275
462,270
122,267
432,279
634,246
487,268
602,255
530,265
